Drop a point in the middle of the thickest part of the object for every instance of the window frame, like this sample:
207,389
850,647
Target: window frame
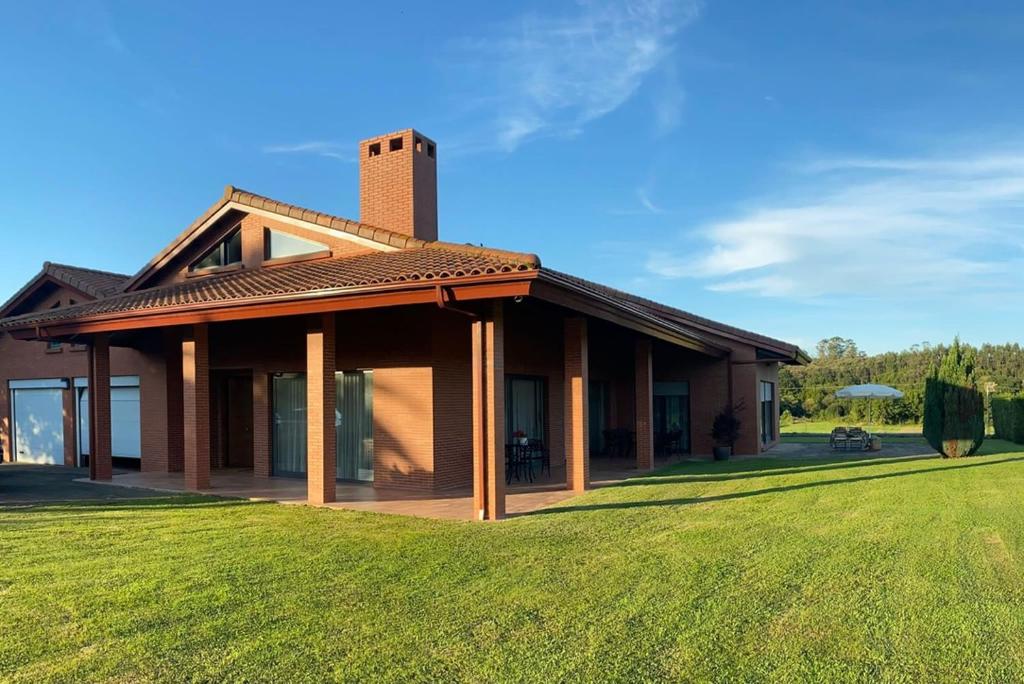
269,260
221,248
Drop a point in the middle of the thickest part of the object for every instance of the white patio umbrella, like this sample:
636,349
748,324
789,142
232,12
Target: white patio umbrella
869,391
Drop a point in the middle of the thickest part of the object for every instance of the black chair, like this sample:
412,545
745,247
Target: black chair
538,454
518,463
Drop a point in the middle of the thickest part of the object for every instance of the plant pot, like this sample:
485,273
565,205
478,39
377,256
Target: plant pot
722,453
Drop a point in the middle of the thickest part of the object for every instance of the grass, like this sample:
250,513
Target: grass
753,570
824,427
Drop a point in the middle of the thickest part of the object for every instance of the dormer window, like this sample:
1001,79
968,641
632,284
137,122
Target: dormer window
226,252
278,245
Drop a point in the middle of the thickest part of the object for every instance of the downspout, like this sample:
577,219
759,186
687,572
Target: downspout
443,298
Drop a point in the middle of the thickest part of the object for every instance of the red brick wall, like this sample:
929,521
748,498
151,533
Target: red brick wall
100,464
398,189
644,385
452,410
321,446
20,360
196,385
576,404
709,388
534,346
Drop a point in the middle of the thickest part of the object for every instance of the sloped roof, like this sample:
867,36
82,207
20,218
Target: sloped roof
434,261
678,316
89,281
402,259
242,198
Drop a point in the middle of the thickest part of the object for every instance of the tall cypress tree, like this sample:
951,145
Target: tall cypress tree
954,410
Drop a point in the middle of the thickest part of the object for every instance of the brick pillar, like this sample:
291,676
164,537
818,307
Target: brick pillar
577,422
488,342
321,443
70,428
175,401
195,377
100,465
260,423
644,402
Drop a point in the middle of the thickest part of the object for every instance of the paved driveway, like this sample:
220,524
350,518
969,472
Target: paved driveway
23,484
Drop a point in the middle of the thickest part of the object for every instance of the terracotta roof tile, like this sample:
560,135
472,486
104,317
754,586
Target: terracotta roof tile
433,261
88,280
678,316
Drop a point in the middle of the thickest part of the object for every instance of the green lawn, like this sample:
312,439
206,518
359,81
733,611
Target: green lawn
824,427
869,570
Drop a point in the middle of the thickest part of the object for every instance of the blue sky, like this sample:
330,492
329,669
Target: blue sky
802,169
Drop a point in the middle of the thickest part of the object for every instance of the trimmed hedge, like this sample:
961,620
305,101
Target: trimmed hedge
1008,417
954,410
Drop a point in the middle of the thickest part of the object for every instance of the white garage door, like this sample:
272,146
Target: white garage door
38,421
125,423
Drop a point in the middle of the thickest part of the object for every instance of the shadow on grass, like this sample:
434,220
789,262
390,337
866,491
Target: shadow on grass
82,506
764,468
617,505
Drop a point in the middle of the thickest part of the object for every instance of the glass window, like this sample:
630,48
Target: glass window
525,406
671,418
288,441
353,425
598,400
277,245
226,252
767,412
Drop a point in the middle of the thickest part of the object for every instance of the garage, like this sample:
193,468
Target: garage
125,420
37,412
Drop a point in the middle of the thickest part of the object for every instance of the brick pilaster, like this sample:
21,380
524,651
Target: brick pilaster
260,423
100,464
321,449
488,342
577,450
175,399
644,401
195,366
70,429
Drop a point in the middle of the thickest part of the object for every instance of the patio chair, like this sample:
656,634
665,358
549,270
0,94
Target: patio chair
839,439
517,463
857,439
540,454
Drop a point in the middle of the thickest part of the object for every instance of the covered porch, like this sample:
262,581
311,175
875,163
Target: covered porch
451,504
375,421
429,402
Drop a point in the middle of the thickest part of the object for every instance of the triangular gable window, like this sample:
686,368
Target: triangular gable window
226,252
277,245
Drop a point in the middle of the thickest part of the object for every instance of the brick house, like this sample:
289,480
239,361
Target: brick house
281,340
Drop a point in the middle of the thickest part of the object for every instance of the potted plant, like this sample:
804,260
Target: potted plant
519,437
725,430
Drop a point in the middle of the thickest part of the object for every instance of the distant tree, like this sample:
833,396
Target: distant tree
838,348
954,410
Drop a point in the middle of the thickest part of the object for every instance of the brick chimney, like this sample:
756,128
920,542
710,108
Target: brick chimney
398,183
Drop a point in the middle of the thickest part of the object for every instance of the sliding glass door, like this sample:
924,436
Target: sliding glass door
671,418
525,406
353,424
288,441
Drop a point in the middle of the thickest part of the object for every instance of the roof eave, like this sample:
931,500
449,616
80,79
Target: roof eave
622,313
506,284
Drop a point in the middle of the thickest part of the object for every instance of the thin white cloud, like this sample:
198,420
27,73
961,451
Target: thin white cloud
894,228
668,102
552,75
646,203
317,147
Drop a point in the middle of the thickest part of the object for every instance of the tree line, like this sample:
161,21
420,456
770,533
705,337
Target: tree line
809,391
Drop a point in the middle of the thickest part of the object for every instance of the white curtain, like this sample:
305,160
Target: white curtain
353,425
289,437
